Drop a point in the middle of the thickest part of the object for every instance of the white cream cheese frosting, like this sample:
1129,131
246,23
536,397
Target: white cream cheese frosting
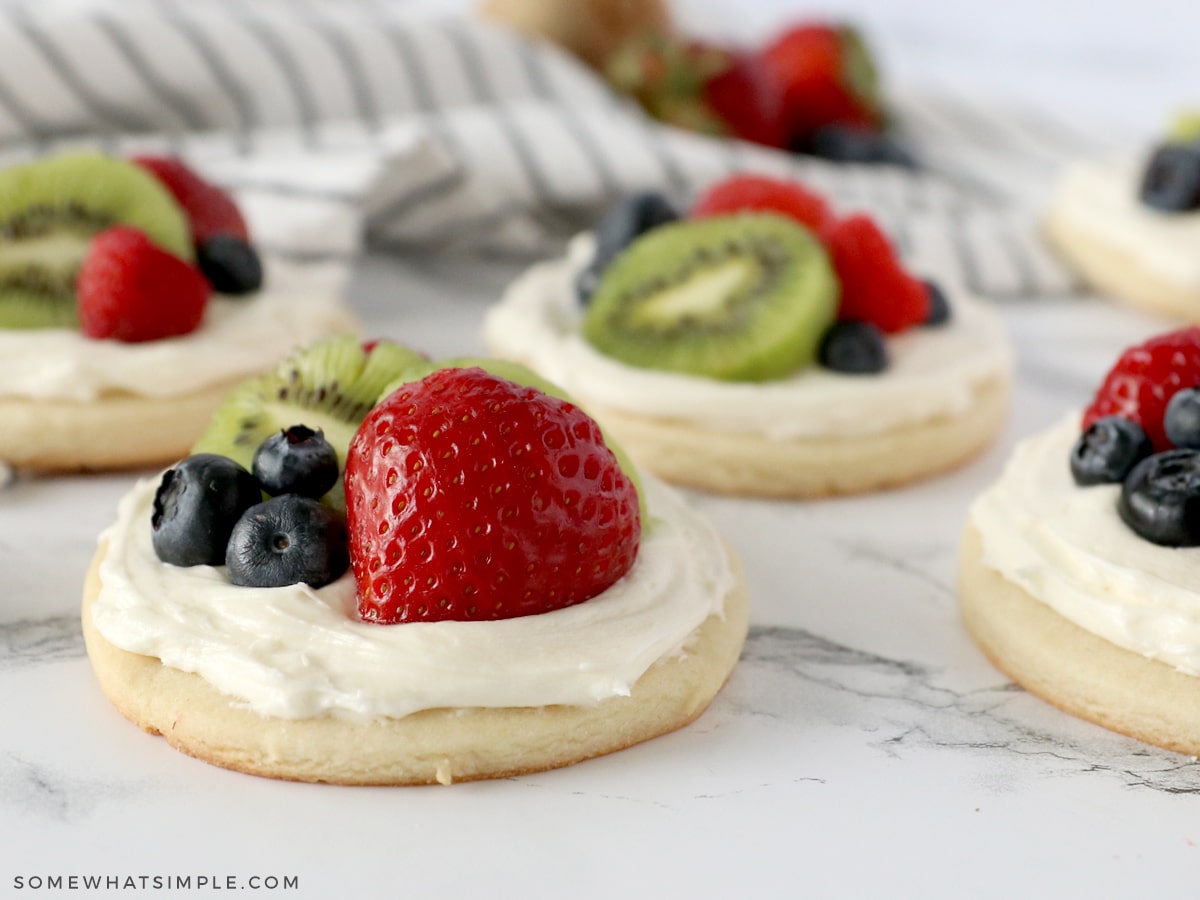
237,338
934,372
1100,198
1066,546
298,652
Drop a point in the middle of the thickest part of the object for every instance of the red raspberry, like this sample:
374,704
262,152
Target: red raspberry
130,289
827,78
762,194
875,286
471,497
1144,380
209,209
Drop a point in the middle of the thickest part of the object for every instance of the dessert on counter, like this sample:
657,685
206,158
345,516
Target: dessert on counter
454,576
761,344
132,299
1078,566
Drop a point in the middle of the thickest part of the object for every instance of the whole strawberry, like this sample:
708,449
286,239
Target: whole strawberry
470,497
131,290
827,78
1144,380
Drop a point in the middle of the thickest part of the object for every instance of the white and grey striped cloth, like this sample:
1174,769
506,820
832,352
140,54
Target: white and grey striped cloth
423,131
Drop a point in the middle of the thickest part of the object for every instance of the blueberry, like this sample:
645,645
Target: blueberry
1107,450
196,506
230,264
287,540
939,306
1181,421
1171,182
297,460
856,348
632,217
1160,498
848,144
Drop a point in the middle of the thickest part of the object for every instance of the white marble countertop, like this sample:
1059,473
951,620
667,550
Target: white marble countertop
863,747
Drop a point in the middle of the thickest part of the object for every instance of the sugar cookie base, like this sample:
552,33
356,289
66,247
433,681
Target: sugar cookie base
1072,668
1116,273
440,745
120,431
750,465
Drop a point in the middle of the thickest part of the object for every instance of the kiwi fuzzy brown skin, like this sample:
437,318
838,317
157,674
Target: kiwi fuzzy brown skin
50,210
330,385
745,297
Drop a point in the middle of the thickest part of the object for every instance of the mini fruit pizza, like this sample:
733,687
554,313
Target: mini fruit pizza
1131,227
1078,567
131,295
760,345
376,569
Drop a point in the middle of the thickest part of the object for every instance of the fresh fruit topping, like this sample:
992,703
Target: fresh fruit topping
667,75
297,460
827,77
875,286
131,290
758,193
630,218
854,348
1160,498
1185,128
855,144
744,298
330,386
287,540
1181,421
470,497
230,264
1145,378
209,209
1107,450
49,212
749,101
939,306
1171,182
196,506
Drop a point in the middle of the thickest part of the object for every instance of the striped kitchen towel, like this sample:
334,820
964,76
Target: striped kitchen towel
421,132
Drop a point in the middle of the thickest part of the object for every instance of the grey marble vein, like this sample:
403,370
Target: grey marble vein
43,790
905,707
27,641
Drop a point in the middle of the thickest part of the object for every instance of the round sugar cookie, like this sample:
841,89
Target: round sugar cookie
116,431
752,465
440,745
1116,272
1072,668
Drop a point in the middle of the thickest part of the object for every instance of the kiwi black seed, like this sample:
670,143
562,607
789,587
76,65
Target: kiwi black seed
51,209
330,385
736,298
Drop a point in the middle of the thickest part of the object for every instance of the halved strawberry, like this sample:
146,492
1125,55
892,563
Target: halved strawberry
131,290
760,193
876,287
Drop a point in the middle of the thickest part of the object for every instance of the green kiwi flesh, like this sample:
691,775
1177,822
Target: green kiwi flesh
745,297
519,374
49,212
330,385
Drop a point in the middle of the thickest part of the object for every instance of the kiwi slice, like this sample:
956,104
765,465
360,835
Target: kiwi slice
330,385
519,374
50,210
737,298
